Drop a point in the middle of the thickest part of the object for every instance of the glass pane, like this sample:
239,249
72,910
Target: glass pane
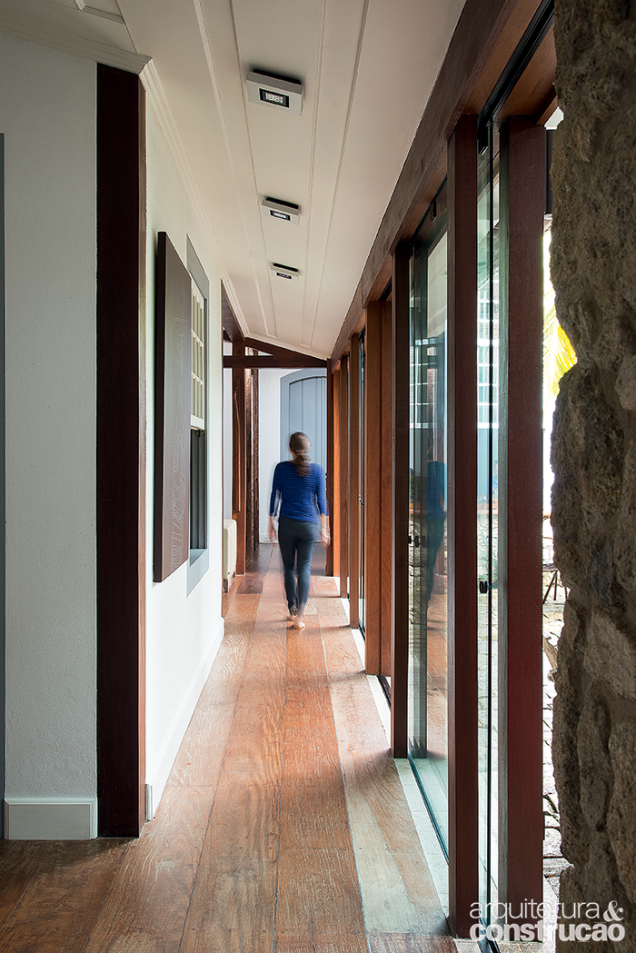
487,492
428,735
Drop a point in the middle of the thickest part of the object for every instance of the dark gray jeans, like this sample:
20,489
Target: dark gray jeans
297,541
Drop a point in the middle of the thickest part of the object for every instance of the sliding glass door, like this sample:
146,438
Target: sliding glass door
487,517
428,591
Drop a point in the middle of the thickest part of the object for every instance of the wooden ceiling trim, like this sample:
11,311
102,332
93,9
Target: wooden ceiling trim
481,27
305,360
231,327
272,360
355,318
536,86
502,51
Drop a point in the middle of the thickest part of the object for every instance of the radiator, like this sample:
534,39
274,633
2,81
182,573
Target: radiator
229,552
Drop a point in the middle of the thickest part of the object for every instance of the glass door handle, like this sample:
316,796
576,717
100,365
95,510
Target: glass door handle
483,586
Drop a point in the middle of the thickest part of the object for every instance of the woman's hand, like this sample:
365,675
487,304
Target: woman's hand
325,536
272,530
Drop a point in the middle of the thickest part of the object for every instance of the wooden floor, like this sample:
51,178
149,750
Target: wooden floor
283,829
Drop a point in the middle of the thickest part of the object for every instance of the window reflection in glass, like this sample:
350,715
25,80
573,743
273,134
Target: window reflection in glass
428,721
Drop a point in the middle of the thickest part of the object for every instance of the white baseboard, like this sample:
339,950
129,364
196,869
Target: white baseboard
156,783
51,818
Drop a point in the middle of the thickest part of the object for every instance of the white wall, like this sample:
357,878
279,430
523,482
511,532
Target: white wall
269,438
183,630
48,118
47,113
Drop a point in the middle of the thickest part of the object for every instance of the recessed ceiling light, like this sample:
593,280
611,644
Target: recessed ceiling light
284,271
278,91
283,211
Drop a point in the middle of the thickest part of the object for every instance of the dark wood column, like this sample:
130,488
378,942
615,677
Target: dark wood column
386,492
334,447
378,493
520,514
343,471
400,549
373,482
251,463
121,452
239,464
354,482
463,796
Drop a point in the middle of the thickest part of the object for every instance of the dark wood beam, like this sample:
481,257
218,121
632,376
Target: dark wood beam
302,359
535,89
231,327
261,361
463,794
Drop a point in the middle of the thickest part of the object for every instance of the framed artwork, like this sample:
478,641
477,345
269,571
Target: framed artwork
172,411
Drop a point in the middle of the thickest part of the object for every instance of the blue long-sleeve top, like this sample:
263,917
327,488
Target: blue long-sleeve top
300,498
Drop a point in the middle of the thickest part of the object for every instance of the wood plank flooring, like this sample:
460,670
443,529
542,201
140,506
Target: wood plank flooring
283,828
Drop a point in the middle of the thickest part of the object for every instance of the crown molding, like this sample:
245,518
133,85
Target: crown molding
158,99
75,45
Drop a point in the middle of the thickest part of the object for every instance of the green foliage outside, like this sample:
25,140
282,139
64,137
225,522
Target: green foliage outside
558,354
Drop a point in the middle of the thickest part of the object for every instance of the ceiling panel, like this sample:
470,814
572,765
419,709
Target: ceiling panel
63,25
368,67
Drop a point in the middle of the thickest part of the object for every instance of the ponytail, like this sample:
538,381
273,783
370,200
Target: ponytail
299,445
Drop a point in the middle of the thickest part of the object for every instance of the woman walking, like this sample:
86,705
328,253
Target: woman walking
298,495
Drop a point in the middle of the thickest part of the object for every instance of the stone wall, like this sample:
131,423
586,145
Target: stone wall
594,457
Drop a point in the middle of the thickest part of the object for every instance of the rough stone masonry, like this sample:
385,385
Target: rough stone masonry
594,458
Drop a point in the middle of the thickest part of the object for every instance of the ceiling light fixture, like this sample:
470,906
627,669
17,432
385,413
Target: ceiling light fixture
284,271
278,91
283,211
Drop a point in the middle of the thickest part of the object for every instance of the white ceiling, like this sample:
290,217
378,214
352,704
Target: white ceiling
368,67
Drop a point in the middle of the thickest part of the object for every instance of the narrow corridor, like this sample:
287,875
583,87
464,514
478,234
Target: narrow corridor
283,828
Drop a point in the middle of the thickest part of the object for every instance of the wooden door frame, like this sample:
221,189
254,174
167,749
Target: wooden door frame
372,489
239,450
354,488
463,793
400,298
522,207
343,476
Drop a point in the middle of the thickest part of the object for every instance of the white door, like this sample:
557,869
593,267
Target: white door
303,406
